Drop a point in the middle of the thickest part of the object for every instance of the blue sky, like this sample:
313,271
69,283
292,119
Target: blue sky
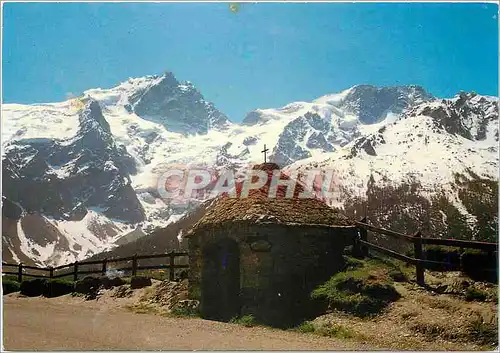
266,55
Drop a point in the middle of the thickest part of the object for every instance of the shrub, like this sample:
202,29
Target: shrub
397,275
58,287
472,293
446,254
364,291
89,286
306,327
33,287
108,283
476,263
137,282
10,278
10,286
245,320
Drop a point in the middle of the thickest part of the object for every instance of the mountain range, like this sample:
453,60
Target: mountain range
80,177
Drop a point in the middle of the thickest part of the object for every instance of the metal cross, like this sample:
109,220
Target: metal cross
264,151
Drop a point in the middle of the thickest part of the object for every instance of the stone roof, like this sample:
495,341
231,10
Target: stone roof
258,207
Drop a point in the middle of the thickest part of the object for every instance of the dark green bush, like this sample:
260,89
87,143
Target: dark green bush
137,282
10,278
446,254
33,287
58,287
476,264
10,286
89,286
480,265
108,283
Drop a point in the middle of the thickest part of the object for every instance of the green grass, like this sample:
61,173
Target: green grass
184,312
9,278
160,275
10,286
472,293
327,330
306,327
245,320
363,289
335,330
67,282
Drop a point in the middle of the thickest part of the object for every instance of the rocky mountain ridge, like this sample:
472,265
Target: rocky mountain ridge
94,161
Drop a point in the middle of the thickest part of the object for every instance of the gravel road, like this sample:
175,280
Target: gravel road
68,324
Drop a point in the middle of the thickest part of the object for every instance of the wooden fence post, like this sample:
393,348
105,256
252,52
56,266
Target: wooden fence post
172,265
363,236
134,265
75,271
419,266
356,246
104,266
20,273
51,272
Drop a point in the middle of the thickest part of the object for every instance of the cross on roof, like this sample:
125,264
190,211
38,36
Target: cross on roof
264,151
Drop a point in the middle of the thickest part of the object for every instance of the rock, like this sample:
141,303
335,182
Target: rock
189,304
372,103
441,289
180,107
250,140
139,282
122,292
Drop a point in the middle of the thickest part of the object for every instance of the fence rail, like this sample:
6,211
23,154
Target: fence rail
76,267
362,246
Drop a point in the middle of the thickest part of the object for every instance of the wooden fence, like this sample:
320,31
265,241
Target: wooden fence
78,268
362,246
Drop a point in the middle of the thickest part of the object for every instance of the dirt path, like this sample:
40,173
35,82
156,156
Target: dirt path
69,324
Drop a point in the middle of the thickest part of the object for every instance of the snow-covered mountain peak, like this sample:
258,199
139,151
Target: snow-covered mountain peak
91,118
435,139
467,114
372,104
162,99
102,154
